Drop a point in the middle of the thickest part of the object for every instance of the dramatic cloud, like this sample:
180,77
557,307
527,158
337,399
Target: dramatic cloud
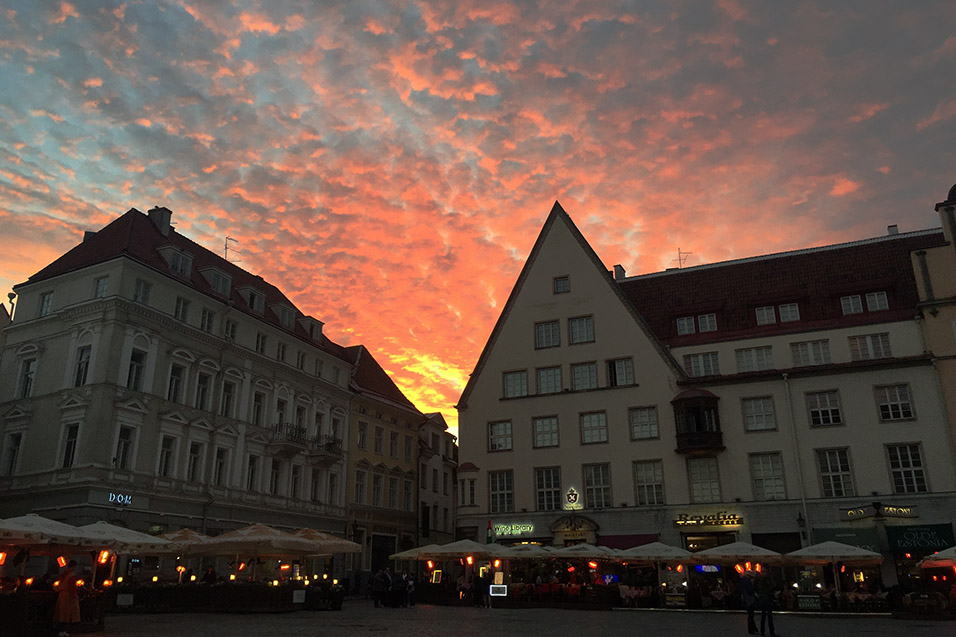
389,164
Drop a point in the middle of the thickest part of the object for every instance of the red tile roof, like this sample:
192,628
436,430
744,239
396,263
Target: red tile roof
369,378
815,278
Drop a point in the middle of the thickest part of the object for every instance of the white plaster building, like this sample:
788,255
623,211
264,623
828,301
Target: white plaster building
438,464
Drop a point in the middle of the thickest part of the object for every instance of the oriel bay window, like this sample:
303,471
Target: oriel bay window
698,421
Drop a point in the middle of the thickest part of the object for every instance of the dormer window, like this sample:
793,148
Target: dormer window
286,317
220,282
180,263
257,302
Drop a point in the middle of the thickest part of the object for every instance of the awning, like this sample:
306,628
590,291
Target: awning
865,538
925,538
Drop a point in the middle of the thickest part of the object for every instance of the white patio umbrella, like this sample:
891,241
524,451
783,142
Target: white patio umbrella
45,536
529,551
940,559
463,548
655,552
260,540
737,552
587,552
326,543
827,552
413,554
123,540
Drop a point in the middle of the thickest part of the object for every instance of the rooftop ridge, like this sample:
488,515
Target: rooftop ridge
777,255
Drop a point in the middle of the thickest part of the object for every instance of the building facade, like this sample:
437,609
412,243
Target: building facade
780,400
438,464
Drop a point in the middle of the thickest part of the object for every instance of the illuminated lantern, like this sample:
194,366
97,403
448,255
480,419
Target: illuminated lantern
430,564
680,568
61,561
3,558
155,578
335,582
119,580
104,557
305,583
758,567
935,578
79,583
181,569
28,581
497,563
285,567
192,578
275,582
747,566
232,577
242,566
739,568
570,569
592,564
107,583
470,560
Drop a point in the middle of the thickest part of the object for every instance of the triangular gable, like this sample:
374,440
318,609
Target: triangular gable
259,438
228,430
175,416
558,214
201,423
16,413
133,404
73,401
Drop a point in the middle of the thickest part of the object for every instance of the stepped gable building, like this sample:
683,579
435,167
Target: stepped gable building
151,383
781,400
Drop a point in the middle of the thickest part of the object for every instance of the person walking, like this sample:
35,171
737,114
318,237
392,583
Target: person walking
67,610
748,600
765,593
378,588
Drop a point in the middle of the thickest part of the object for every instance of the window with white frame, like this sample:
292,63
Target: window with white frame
547,334
137,369
704,480
226,405
393,444
378,440
707,323
261,340
620,372
46,303
789,312
515,384
141,291
823,408
876,301
500,491
11,452
869,346
499,436
851,304
252,474
124,448
206,320
547,488
835,476
167,447
545,431
766,315
766,474
100,287
280,352
754,359
549,380
758,413
685,325
220,283
82,370
377,488
583,376
894,402
807,353
906,468
181,313
257,302
703,364
28,370
177,378
648,482
643,421
203,387
361,476
220,466
597,486
593,427
581,329
295,480
392,492
180,263
71,435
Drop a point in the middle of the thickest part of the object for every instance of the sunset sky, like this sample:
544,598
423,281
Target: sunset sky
389,164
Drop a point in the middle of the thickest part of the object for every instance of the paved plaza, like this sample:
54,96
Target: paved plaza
360,617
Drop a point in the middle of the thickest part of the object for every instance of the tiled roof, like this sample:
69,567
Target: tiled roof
369,377
134,235
815,278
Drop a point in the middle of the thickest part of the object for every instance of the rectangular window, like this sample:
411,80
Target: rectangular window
894,403
203,385
228,398
547,334
545,431
280,352
392,492
620,372
685,325
219,466
466,492
597,486
823,408
758,414
177,376
377,489
295,480
648,482
206,320
194,462
707,323
334,488
11,453
435,480
766,473
581,330
82,365
704,480
275,471
141,292
100,286
547,488
393,444
593,427
446,483
499,436
876,301
423,476
361,440
360,485
315,492
704,364
515,384
258,408
583,376
257,302
182,309
643,421
835,474
46,303
562,285
124,448
300,360
137,367
500,492
766,315
851,304
180,264
166,448
220,283
549,380
789,312
378,440
906,469
229,330
408,448
754,359
261,342
406,495
869,346
70,438
807,353
28,370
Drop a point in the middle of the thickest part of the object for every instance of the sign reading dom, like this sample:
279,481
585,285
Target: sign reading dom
122,499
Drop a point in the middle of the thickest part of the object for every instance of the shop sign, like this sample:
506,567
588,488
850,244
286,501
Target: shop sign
887,511
123,499
721,518
572,500
932,537
513,529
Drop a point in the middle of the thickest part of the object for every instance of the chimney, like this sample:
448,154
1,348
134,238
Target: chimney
161,216
894,229
619,272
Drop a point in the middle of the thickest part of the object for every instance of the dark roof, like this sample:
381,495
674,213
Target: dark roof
135,236
815,278
368,377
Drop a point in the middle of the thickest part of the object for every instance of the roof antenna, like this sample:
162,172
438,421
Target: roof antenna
681,257
225,249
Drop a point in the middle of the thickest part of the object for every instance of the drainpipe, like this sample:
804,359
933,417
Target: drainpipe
796,451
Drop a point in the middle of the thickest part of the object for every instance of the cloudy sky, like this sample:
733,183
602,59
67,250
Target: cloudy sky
389,164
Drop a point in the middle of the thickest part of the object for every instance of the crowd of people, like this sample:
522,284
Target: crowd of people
392,589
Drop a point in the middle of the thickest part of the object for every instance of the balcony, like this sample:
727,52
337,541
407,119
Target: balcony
700,442
287,440
324,450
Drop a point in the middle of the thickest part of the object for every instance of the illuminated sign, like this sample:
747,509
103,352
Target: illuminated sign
886,511
721,518
120,498
513,529
572,500
900,512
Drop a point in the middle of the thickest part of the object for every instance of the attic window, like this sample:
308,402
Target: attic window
219,283
181,264
286,317
562,285
257,302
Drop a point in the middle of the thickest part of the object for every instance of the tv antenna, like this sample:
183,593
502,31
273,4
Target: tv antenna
225,249
681,257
